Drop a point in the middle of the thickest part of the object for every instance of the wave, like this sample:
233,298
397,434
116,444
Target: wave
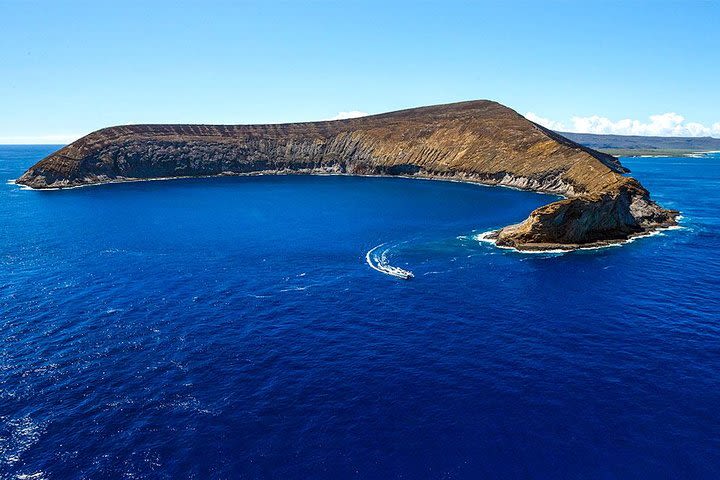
485,237
379,262
19,186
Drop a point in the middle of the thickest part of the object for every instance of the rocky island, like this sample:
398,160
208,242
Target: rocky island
477,141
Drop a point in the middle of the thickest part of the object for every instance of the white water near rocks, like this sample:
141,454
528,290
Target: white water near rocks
485,237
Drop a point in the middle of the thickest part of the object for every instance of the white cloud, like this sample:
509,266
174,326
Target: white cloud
668,124
545,122
350,114
59,139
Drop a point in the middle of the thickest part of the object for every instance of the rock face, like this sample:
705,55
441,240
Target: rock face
478,141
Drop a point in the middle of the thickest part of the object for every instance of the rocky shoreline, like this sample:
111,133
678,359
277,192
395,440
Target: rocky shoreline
492,237
478,142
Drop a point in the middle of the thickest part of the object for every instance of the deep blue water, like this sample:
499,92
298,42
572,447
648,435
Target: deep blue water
231,328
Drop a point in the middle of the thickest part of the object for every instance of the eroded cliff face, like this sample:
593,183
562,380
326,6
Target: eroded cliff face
479,141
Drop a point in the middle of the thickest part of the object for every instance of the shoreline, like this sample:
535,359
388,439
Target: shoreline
288,173
486,237
640,153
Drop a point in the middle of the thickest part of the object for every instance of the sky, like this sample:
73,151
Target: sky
68,68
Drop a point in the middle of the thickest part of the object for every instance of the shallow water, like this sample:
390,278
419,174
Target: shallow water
231,327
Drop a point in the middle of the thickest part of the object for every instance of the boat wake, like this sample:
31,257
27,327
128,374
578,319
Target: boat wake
377,259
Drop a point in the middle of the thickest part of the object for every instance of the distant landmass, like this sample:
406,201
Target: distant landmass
632,145
478,141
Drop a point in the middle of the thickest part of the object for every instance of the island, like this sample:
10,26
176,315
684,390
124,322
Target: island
476,141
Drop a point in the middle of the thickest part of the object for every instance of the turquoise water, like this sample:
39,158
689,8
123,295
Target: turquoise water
232,328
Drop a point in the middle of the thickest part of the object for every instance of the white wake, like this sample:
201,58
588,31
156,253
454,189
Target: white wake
378,261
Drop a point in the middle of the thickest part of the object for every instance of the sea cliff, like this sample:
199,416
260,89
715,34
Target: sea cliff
477,141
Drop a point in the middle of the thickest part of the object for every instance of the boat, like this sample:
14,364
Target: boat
398,272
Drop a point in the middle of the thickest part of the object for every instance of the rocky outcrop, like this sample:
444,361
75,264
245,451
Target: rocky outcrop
478,141
588,220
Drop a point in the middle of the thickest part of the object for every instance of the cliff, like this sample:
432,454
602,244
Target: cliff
477,141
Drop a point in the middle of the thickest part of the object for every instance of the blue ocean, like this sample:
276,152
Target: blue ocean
240,328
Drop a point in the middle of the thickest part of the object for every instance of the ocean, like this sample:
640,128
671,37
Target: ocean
253,327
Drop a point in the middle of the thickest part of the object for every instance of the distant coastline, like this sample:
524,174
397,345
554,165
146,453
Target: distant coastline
646,146
620,152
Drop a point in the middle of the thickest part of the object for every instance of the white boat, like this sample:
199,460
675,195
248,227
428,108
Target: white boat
398,272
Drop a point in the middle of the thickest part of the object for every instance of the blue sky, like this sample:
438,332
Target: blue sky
67,68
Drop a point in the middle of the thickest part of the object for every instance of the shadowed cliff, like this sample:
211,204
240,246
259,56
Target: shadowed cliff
478,141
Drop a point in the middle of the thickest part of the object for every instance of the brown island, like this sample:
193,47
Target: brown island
477,141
